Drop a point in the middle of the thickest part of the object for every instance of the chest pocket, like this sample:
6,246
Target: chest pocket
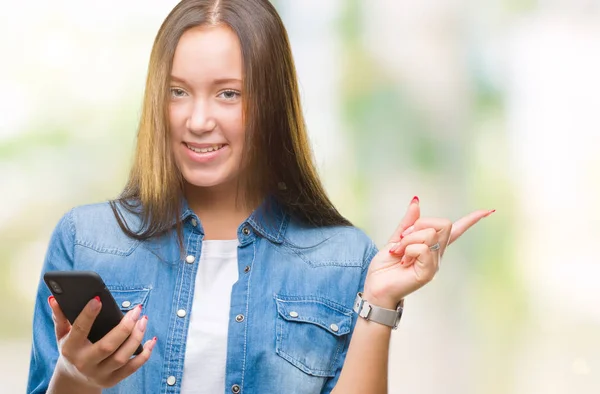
127,299
312,333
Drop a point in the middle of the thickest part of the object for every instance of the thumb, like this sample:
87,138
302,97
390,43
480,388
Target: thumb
413,213
61,323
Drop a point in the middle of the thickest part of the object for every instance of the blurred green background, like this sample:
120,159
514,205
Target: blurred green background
490,104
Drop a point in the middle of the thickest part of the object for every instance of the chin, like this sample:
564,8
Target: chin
205,179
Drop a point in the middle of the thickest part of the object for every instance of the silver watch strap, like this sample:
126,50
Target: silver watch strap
387,317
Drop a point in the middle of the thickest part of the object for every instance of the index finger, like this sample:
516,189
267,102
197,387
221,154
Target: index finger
61,323
83,324
412,214
463,224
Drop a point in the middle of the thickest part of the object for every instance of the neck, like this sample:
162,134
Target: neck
218,210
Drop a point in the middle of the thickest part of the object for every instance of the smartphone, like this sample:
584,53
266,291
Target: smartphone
74,289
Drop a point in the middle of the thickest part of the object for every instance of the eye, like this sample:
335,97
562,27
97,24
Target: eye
229,94
177,92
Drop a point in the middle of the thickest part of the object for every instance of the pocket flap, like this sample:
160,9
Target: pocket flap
326,314
128,299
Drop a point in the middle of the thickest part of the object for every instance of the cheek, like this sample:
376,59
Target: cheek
176,132
234,124
177,119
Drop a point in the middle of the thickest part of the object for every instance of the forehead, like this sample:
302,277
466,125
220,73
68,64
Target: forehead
208,52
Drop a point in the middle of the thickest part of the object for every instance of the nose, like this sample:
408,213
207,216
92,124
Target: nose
201,119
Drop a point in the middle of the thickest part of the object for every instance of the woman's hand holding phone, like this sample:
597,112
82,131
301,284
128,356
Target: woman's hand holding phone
106,362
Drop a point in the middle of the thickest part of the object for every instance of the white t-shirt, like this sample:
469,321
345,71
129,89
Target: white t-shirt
206,349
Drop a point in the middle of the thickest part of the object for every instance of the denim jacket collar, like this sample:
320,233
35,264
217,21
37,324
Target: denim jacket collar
269,220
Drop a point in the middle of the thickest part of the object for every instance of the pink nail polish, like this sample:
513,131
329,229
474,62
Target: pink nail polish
97,298
415,200
50,299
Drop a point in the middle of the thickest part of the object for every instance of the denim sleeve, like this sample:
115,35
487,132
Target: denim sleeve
44,351
370,253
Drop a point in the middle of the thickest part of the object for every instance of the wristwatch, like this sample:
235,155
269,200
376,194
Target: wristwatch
387,317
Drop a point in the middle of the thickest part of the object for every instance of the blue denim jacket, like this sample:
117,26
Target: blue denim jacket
284,267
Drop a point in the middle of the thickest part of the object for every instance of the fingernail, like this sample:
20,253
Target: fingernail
152,343
135,315
97,298
142,323
50,299
415,200
490,212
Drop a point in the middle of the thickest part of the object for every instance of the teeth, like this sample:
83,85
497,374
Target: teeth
205,150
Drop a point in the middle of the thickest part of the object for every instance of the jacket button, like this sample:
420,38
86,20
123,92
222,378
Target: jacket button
235,389
294,314
247,269
239,318
190,259
246,231
334,327
194,222
126,304
171,380
181,313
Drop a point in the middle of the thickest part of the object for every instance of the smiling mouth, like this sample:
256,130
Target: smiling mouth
208,149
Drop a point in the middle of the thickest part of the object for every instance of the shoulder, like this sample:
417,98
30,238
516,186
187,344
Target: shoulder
96,226
335,245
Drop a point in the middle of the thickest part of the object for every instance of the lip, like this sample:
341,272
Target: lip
202,146
203,157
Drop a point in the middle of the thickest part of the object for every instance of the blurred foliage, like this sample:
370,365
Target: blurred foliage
380,115
57,137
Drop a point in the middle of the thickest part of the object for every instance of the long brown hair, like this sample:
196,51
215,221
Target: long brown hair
277,155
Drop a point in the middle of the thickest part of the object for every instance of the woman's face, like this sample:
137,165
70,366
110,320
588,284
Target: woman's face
205,109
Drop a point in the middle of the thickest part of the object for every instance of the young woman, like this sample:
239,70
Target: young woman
233,267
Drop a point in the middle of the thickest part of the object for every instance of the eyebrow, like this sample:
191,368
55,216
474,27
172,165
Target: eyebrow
218,81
